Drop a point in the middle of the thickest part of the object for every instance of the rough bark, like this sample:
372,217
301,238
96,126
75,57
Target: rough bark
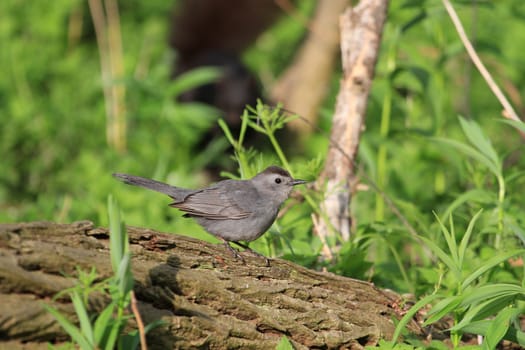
361,29
206,298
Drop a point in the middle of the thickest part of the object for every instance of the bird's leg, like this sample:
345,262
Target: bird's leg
234,252
248,249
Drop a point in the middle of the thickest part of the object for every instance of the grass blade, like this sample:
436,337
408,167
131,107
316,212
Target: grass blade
450,239
490,264
410,314
492,291
192,79
519,125
115,238
444,257
284,344
499,327
73,331
442,308
102,324
83,317
473,153
466,237
476,136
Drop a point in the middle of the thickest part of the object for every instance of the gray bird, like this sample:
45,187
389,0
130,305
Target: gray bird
231,210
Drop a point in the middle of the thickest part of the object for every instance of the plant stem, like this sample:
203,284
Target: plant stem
279,151
501,199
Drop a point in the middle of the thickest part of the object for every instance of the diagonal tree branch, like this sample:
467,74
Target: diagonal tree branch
508,110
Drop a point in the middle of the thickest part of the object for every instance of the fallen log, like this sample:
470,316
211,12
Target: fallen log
206,298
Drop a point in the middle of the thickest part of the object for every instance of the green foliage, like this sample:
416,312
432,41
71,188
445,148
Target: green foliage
463,288
464,294
266,120
284,344
53,105
104,331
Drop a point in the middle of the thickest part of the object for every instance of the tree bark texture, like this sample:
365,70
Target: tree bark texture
361,29
207,299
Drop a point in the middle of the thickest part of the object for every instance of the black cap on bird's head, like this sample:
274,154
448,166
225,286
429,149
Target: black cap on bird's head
275,181
273,169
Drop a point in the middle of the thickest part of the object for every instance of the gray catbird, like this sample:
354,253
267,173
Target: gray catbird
231,210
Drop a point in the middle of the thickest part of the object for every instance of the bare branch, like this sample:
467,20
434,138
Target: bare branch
361,29
508,110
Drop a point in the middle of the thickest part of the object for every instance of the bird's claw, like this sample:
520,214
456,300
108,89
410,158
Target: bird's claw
253,252
235,253
238,255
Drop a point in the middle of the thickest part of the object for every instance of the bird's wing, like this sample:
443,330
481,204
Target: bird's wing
215,203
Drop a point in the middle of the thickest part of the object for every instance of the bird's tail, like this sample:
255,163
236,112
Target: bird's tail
174,192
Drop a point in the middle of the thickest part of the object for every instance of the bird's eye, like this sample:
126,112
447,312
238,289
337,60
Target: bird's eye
278,180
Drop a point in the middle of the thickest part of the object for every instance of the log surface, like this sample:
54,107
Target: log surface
207,299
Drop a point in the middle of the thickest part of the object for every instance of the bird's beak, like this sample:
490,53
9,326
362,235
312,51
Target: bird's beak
298,182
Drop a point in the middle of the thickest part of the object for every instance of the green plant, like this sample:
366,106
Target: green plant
433,345
467,297
483,152
284,344
103,331
265,120
468,287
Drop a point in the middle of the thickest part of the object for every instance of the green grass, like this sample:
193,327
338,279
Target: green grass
104,329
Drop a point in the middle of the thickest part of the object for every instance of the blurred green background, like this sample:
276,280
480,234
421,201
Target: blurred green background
57,158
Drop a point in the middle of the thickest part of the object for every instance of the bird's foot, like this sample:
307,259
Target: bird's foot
253,252
267,260
234,252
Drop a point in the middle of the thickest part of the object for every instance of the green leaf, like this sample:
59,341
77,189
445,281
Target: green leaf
479,140
129,341
473,312
284,344
481,327
113,336
410,314
244,126
474,195
193,79
444,257
520,338
227,133
477,327
443,308
519,125
473,153
103,324
73,331
484,309
119,246
496,260
466,238
83,317
255,126
132,339
124,276
116,243
196,115
450,238
492,291
499,327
